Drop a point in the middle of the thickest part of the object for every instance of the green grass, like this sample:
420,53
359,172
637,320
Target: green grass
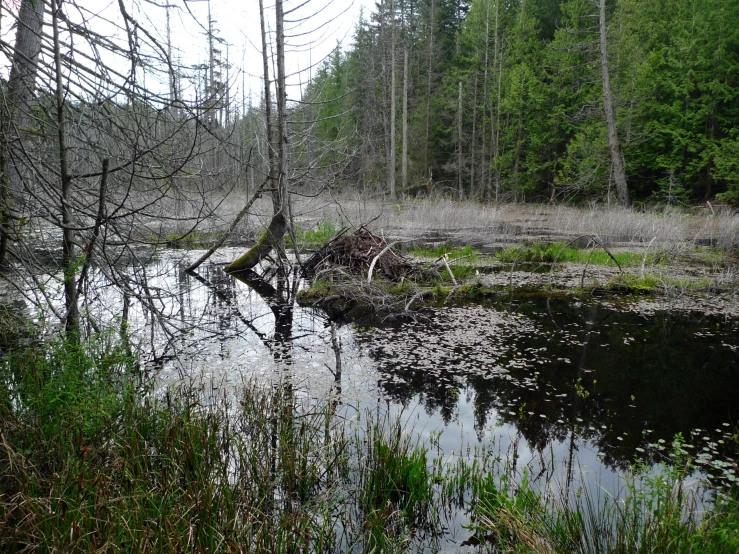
648,283
316,236
538,252
444,248
396,473
90,460
461,270
656,513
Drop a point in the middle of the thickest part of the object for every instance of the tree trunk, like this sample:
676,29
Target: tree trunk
405,119
495,129
283,194
391,161
485,168
473,193
617,160
385,94
72,312
460,161
428,90
273,237
15,112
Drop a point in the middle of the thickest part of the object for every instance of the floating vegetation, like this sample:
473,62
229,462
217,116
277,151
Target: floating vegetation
558,371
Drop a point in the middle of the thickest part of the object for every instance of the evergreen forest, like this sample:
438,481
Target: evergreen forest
505,101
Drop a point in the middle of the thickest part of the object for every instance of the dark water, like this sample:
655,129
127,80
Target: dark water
560,386
562,371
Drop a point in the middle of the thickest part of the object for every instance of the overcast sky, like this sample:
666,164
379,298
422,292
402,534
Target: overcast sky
313,29
324,23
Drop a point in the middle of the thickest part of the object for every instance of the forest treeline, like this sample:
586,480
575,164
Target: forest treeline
504,101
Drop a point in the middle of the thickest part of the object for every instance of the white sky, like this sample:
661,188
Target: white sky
237,21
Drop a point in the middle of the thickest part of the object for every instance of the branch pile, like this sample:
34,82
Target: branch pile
358,252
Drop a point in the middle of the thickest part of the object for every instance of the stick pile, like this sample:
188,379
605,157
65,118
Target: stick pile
356,252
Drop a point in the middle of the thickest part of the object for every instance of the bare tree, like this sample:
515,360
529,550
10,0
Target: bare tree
273,237
617,160
393,108
72,311
429,70
15,112
101,159
405,119
460,154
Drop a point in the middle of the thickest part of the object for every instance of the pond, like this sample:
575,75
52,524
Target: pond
568,389
546,368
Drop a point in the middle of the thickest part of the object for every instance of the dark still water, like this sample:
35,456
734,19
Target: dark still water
562,371
557,385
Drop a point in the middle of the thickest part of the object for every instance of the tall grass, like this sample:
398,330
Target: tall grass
538,252
91,460
660,511
472,222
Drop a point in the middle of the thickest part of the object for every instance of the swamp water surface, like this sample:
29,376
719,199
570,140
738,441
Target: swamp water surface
565,389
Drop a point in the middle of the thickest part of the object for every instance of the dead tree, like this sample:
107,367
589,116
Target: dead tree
273,237
617,159
15,112
102,157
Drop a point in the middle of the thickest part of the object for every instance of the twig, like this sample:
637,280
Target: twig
449,269
455,260
374,261
644,258
603,246
96,228
416,296
336,347
585,269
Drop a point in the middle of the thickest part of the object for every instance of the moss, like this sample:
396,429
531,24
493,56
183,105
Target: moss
269,239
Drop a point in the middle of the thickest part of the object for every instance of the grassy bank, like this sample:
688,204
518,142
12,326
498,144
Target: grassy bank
93,461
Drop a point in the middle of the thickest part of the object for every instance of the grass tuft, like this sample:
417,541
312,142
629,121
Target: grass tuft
317,236
538,252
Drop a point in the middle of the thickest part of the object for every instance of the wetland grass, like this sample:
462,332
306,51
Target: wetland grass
314,237
538,252
655,513
91,460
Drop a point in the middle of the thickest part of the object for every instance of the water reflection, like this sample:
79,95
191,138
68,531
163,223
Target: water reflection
555,375
570,372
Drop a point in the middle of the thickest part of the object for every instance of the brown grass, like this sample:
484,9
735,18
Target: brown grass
467,222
